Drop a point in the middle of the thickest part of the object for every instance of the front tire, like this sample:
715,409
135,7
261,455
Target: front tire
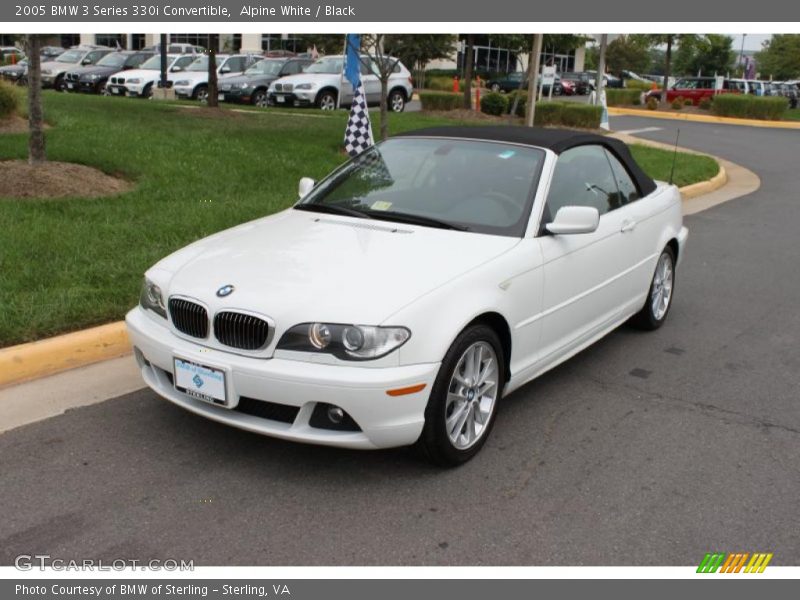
201,94
463,401
659,296
326,100
260,99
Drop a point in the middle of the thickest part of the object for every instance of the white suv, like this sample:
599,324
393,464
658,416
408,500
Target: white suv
140,82
319,85
193,82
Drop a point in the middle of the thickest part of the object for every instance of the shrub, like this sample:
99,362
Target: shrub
521,102
441,100
618,97
652,103
770,108
677,103
688,102
494,104
9,100
586,116
635,84
706,103
439,82
548,113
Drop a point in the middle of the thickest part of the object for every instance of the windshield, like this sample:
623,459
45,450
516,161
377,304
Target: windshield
70,56
154,62
112,60
265,67
330,65
485,187
201,64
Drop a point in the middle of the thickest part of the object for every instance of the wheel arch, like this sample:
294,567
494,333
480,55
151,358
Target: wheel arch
500,326
327,88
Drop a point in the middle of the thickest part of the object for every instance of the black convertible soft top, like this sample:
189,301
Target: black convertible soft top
557,140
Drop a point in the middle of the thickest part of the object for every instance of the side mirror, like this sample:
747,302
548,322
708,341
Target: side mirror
574,219
225,69
305,186
176,69
86,61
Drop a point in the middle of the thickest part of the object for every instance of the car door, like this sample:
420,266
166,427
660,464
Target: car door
585,275
370,80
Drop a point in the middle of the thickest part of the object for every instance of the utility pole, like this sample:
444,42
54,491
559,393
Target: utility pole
601,68
741,56
533,84
163,52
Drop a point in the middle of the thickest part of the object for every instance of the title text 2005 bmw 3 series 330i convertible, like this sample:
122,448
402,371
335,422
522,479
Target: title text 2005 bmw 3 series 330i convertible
409,291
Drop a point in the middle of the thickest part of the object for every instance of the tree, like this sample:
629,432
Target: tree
213,41
326,43
375,46
704,54
628,53
668,40
468,60
416,51
36,141
780,57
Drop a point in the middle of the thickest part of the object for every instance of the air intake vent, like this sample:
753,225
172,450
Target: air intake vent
188,317
239,330
268,410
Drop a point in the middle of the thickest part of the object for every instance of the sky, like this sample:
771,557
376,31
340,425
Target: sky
752,41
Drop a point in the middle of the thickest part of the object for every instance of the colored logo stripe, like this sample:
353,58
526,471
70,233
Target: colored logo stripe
734,562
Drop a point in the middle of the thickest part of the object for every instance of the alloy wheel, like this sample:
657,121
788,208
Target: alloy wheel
471,395
662,287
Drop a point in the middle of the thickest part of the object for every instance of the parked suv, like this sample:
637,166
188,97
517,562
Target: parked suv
93,78
140,82
319,85
193,83
53,71
251,87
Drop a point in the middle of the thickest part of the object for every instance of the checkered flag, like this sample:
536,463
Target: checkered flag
358,135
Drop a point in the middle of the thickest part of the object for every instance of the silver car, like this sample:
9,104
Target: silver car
53,72
323,85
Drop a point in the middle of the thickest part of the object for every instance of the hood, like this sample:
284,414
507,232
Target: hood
59,66
94,70
252,79
299,266
309,78
130,73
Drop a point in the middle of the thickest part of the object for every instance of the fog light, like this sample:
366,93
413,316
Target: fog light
335,414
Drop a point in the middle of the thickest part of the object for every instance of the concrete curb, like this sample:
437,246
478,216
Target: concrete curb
654,114
54,355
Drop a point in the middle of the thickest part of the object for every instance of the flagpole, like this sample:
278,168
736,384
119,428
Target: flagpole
341,76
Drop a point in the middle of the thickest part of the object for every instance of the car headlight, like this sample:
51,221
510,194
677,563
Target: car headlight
182,82
347,342
135,80
46,72
243,86
304,86
93,77
151,298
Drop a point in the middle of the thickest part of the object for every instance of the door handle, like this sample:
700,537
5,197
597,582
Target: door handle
628,226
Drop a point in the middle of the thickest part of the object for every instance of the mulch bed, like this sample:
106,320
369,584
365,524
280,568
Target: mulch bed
18,179
13,124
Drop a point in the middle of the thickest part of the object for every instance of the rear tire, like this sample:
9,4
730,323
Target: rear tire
396,102
659,296
463,402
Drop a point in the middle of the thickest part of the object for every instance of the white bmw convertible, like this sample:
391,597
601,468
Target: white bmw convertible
410,290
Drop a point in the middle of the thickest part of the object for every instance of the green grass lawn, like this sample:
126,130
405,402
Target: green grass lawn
792,114
69,264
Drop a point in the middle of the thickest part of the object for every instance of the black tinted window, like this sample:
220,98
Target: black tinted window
582,177
628,192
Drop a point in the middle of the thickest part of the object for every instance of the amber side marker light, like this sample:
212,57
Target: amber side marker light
412,389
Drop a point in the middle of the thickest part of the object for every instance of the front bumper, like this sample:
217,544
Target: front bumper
116,89
304,98
238,96
184,92
384,421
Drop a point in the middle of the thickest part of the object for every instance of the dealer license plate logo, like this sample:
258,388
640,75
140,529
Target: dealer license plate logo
200,381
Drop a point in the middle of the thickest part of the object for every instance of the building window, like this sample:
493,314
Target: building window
112,40
70,39
137,41
283,41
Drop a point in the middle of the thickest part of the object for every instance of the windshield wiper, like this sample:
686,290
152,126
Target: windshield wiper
388,215
333,209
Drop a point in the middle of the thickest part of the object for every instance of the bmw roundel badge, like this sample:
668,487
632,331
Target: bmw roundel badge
225,290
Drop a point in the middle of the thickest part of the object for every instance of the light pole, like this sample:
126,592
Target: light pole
741,55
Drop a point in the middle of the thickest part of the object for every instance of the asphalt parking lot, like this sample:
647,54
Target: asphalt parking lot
646,449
